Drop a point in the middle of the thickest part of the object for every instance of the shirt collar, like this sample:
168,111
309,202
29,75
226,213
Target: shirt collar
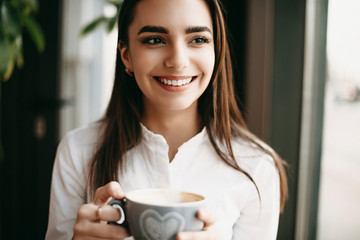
153,139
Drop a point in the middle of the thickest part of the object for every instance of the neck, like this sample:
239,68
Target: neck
176,127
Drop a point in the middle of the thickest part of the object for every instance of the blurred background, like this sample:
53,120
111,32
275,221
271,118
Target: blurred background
339,209
297,79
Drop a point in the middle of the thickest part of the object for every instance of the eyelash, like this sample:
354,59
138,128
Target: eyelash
149,40
202,39
155,40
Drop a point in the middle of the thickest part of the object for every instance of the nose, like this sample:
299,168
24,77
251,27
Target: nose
177,57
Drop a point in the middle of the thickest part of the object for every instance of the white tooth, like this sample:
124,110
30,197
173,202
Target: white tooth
175,82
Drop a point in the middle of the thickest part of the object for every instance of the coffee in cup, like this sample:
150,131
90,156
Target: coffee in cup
159,213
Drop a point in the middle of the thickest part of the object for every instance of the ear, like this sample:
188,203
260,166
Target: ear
125,57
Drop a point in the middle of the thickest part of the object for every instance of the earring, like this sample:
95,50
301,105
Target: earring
128,72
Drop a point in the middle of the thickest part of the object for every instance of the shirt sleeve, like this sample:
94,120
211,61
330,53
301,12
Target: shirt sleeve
67,190
259,217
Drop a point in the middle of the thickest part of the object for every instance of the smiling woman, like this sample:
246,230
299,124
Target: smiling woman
172,114
172,48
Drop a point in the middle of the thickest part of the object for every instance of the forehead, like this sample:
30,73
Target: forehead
171,14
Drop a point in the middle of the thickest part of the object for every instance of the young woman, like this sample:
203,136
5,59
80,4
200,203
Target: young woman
172,122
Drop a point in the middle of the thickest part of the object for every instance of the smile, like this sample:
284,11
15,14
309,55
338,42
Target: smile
174,82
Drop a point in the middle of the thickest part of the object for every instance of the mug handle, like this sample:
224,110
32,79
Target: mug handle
120,204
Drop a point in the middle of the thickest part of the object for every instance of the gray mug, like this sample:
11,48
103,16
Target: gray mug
159,214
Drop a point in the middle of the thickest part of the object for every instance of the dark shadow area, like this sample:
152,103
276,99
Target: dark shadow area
29,123
236,20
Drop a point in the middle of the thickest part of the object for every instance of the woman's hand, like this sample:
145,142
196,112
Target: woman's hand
209,231
92,217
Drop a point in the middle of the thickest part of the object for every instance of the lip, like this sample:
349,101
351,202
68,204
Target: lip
175,77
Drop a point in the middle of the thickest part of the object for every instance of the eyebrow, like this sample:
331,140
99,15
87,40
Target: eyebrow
159,29
197,29
153,29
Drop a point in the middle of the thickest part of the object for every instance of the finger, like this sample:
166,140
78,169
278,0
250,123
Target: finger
194,236
93,212
97,230
206,216
105,193
86,237
110,214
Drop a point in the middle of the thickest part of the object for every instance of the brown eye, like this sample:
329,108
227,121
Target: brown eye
153,40
200,40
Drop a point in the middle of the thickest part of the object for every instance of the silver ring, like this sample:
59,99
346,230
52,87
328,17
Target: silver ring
122,214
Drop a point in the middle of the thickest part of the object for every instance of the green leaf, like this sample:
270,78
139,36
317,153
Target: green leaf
35,32
117,3
27,6
8,62
14,16
113,20
10,22
4,56
111,23
92,25
19,57
10,69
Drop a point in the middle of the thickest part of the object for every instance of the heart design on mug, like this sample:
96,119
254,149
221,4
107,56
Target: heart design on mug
157,227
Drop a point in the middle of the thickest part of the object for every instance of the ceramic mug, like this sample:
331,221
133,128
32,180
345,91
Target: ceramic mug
155,214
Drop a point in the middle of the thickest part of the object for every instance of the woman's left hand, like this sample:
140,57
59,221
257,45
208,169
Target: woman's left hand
209,231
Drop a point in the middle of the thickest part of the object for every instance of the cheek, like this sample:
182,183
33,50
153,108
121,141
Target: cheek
144,60
207,61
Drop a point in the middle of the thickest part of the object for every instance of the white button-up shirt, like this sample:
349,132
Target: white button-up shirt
241,213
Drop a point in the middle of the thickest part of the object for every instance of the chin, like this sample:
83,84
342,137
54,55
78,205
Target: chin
178,107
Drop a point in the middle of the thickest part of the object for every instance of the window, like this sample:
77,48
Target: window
339,210
87,65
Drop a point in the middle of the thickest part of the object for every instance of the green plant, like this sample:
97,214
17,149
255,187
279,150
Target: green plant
16,15
109,21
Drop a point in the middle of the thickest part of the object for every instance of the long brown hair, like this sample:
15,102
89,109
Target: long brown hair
121,128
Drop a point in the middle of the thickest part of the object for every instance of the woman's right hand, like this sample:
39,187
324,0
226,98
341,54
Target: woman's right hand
92,217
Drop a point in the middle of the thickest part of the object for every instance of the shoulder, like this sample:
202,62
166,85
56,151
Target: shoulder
73,156
87,135
254,157
78,145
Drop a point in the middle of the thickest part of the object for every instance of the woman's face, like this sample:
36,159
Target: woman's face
171,52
